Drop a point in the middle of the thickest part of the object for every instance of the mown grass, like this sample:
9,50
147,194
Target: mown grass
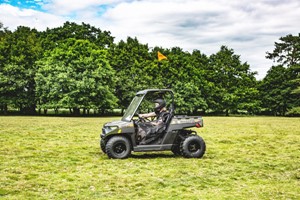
59,158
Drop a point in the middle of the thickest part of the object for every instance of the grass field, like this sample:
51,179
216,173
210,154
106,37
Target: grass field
59,158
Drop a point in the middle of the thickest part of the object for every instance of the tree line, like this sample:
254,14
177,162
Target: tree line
79,67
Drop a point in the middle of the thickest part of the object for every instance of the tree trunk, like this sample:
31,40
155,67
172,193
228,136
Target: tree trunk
102,111
76,111
195,110
227,112
21,109
4,109
32,109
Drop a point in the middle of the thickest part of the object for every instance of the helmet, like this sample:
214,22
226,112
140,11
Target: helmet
161,104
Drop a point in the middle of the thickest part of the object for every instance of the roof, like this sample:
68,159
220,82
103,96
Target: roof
153,90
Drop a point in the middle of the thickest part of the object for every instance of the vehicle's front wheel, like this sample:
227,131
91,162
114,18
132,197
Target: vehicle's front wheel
118,147
193,147
103,145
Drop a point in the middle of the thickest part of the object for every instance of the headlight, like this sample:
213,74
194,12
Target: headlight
107,129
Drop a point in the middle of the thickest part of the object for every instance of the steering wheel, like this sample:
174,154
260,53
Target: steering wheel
143,119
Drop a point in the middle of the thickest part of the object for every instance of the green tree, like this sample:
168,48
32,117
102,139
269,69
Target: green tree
3,55
287,51
183,72
296,70
232,83
19,51
275,90
131,61
285,76
51,38
76,75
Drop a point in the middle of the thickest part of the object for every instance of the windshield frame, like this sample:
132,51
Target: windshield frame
134,105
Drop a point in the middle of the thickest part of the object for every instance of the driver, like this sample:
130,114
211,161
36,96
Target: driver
148,129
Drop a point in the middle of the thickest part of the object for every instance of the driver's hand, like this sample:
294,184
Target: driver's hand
141,115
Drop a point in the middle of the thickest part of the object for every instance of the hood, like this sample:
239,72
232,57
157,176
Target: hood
117,123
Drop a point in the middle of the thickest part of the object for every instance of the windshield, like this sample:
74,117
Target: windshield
132,108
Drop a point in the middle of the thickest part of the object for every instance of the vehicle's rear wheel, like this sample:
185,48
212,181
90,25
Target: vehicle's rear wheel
103,145
193,147
118,147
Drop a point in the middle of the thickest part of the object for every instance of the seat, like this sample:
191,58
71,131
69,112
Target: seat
157,132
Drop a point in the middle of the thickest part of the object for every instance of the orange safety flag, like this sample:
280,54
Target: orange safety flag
160,56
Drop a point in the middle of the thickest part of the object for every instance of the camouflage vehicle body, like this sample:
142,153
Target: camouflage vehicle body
119,138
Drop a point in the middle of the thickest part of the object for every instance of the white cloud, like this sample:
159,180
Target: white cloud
12,17
249,27
68,7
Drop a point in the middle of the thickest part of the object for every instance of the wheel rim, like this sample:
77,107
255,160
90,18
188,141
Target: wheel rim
119,148
194,147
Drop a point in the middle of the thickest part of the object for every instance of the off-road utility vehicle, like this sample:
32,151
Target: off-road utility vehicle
120,138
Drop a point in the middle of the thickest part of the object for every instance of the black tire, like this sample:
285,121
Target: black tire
193,147
118,147
103,145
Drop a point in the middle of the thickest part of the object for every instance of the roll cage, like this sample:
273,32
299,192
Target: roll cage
151,94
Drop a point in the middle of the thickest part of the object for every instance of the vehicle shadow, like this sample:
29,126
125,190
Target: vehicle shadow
152,156
139,155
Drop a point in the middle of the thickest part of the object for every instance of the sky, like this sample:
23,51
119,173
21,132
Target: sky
250,28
